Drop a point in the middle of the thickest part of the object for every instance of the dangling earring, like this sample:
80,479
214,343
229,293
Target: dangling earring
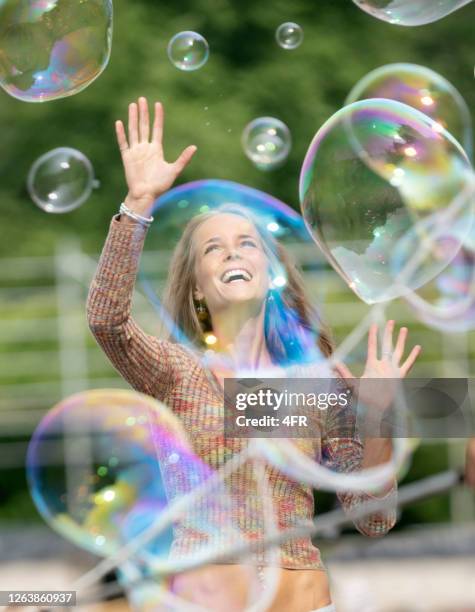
270,296
201,311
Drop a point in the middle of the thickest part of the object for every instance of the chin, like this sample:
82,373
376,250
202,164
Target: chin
245,297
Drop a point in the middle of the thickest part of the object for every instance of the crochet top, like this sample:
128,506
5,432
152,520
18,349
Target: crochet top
171,373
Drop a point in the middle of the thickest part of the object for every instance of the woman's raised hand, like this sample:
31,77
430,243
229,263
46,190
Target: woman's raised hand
147,173
389,366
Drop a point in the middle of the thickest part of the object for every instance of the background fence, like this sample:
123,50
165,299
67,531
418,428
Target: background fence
48,353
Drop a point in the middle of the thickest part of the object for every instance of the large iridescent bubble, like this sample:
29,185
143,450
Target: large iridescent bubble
51,49
277,224
423,89
106,466
61,180
410,12
378,179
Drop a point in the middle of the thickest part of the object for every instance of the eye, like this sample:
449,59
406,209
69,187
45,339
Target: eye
249,242
210,248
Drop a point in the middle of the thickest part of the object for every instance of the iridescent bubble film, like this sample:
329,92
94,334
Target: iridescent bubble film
448,302
378,179
282,234
188,51
266,142
423,89
51,49
289,35
410,12
61,180
104,466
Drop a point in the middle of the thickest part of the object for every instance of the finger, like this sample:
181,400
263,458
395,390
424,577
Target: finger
343,370
407,365
185,158
144,120
373,342
157,134
387,344
345,373
121,137
400,345
133,127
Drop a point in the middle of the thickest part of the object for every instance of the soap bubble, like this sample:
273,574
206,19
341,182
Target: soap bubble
93,470
423,89
103,466
61,180
275,221
448,302
410,12
289,35
378,179
53,48
188,51
266,142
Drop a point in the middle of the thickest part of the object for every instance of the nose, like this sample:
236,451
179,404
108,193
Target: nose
232,254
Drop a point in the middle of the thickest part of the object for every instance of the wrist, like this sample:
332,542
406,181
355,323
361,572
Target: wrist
141,205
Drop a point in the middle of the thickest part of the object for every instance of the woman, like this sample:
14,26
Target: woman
221,269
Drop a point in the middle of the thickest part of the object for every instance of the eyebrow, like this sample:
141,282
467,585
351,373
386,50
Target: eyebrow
217,238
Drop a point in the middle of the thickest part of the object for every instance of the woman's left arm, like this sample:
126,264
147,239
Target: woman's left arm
348,454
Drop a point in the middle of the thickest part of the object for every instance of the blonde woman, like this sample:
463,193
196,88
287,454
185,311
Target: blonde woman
220,279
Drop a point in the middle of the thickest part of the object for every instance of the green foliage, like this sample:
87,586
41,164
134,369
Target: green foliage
247,76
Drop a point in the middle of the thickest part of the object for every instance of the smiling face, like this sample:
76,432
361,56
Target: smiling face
231,264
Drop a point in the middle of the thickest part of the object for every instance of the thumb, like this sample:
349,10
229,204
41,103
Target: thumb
342,370
184,159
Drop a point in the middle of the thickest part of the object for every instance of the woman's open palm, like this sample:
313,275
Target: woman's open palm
387,368
147,173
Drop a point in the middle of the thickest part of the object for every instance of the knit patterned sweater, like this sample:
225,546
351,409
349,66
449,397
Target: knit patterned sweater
172,374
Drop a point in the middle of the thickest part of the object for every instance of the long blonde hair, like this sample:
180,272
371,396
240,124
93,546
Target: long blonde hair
292,325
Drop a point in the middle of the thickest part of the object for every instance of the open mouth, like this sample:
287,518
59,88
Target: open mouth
236,275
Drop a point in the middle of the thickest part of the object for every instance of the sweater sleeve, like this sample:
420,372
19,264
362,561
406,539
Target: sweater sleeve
342,451
143,360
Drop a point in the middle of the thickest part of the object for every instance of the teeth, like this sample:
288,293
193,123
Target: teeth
236,272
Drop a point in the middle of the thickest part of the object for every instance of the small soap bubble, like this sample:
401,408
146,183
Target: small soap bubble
266,142
289,35
188,51
61,180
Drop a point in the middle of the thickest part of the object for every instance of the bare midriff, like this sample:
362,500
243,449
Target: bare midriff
234,587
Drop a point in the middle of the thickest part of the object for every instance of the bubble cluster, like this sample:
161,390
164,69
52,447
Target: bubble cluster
277,226
61,180
289,35
410,12
378,180
422,89
188,51
266,142
51,49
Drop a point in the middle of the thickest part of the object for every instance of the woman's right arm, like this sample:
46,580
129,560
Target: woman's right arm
143,360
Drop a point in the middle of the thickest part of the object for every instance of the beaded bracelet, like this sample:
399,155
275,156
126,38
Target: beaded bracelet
145,221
